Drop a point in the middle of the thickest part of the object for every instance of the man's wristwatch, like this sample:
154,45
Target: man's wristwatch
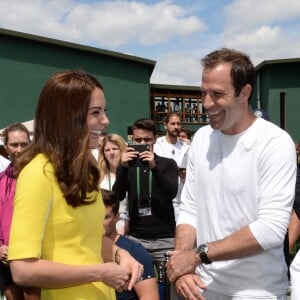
202,252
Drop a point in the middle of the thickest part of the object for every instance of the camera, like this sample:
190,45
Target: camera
140,148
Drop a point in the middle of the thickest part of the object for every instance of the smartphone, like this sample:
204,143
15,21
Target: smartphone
140,148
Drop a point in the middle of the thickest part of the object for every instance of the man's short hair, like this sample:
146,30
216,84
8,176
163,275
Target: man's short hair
111,199
187,131
144,124
172,114
242,70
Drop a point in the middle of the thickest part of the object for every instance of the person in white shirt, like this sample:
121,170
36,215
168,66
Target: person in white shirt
294,234
171,146
111,148
238,195
4,162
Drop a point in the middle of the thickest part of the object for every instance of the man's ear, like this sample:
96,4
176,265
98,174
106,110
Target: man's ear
155,138
246,92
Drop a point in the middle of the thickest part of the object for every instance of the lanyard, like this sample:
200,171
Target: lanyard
138,183
109,181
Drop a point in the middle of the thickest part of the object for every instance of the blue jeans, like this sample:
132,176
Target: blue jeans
165,293
162,291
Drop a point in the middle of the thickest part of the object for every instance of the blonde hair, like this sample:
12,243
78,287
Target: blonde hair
103,163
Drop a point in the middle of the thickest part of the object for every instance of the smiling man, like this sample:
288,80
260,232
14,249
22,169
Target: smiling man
238,194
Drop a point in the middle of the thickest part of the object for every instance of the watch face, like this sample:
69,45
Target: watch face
203,248
202,252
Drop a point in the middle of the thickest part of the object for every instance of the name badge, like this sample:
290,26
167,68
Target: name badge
145,211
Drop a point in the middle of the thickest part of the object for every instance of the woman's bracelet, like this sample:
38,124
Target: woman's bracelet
117,256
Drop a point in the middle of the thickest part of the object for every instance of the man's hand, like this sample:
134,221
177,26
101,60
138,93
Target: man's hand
190,286
148,156
128,155
181,262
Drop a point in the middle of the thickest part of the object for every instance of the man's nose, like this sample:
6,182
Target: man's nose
207,101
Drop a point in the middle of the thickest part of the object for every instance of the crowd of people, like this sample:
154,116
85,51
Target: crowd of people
87,215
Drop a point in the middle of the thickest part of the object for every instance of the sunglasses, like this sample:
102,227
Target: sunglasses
139,140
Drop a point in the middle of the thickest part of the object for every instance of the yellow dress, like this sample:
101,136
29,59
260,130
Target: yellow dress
44,226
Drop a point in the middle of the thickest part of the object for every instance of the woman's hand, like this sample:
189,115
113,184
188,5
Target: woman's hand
49,274
117,276
136,269
3,253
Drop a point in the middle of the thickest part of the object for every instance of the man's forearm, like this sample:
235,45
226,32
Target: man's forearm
238,245
185,237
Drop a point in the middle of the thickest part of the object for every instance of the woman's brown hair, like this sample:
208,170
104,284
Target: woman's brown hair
61,134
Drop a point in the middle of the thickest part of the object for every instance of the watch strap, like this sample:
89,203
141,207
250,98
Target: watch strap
202,251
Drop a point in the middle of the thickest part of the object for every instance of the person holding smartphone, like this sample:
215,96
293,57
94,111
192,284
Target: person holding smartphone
151,182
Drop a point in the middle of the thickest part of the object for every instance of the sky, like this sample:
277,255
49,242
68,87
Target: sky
176,34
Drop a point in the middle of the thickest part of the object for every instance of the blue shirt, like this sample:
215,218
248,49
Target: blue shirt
141,255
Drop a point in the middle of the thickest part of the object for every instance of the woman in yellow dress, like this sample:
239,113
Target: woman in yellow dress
57,236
